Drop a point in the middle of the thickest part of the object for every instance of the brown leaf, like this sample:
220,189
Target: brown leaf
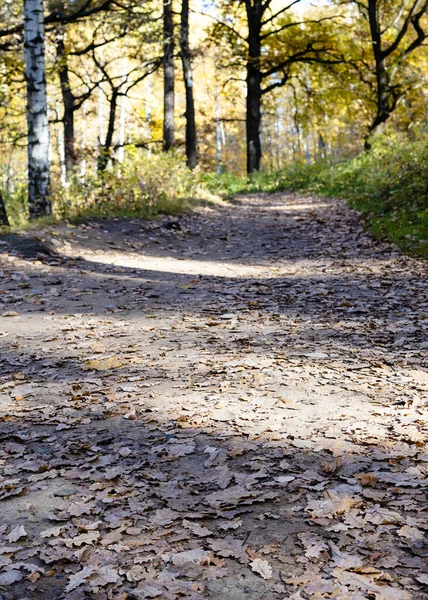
367,479
103,364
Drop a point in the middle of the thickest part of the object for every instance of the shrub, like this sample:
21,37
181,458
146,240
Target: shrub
143,184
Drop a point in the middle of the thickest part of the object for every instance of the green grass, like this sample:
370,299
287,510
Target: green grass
388,186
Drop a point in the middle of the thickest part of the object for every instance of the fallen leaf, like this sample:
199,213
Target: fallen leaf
103,576
78,578
17,533
10,577
103,364
262,568
165,516
51,532
412,533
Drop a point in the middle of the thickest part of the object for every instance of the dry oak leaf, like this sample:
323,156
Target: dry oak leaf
229,497
366,479
366,583
9,549
84,538
51,532
321,586
10,577
261,567
164,516
382,516
103,576
33,576
103,364
229,547
150,589
333,504
342,559
178,450
78,578
17,533
196,529
313,544
412,533
196,556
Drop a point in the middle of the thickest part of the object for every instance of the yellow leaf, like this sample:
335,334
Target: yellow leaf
103,364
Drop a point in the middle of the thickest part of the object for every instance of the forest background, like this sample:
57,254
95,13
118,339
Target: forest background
150,105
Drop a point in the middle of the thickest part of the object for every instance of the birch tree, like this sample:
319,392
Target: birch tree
37,112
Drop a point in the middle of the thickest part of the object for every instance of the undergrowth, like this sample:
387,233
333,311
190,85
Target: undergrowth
143,186
388,186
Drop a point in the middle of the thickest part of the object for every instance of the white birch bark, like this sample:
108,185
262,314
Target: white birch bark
37,113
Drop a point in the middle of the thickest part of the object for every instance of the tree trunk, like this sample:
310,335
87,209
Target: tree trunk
68,101
383,107
168,74
106,147
254,87
37,111
122,124
3,214
218,131
191,150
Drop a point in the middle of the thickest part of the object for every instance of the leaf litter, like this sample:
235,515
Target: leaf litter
238,412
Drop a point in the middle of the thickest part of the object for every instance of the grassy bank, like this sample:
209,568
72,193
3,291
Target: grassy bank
143,186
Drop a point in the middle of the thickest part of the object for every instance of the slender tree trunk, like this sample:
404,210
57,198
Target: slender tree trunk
122,124
149,95
61,148
37,112
106,147
100,109
68,101
254,88
168,74
83,149
383,107
191,149
3,214
218,132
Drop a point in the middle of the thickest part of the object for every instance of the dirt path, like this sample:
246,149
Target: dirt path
230,406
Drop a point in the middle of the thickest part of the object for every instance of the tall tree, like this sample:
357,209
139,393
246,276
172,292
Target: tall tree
69,101
396,31
269,45
168,76
37,110
120,86
186,59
